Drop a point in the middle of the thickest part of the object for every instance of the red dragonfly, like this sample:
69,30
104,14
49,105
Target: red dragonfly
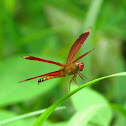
71,67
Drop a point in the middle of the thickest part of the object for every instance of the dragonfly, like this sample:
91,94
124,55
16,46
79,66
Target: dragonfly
72,67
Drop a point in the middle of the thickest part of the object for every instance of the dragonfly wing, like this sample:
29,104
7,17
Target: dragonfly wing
82,56
55,73
42,60
77,45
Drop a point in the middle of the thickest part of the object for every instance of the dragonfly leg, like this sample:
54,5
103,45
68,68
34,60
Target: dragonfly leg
82,77
70,83
75,80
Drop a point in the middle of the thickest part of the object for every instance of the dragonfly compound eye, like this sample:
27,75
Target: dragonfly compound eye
81,66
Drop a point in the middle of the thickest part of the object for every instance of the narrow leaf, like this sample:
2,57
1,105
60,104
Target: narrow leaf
46,114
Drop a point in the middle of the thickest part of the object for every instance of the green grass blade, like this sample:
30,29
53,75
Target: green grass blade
46,114
26,115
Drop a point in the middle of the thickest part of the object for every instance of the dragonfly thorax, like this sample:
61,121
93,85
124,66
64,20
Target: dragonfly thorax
79,65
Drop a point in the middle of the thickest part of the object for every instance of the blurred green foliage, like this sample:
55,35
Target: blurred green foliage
47,29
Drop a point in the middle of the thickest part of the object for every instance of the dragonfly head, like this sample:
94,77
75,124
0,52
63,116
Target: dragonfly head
80,65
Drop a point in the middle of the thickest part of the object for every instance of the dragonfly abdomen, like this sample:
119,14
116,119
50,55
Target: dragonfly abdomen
46,78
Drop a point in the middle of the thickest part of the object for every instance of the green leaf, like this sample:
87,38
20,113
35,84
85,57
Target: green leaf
91,107
46,114
86,97
120,109
99,114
